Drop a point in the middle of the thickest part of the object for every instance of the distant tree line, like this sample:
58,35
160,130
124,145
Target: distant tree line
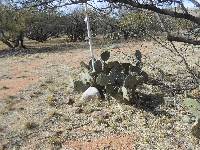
39,25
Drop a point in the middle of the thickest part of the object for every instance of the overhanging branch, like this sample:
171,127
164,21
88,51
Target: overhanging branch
159,10
196,3
183,39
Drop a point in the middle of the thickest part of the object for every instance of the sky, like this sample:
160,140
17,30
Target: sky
94,3
97,4
189,4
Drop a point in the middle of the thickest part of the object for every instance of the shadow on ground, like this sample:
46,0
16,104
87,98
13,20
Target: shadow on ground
151,103
43,49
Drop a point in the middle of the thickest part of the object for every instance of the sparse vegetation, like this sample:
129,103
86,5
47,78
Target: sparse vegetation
146,70
31,125
4,88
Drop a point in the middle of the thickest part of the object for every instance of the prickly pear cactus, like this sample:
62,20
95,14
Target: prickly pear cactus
193,105
144,76
98,66
113,78
102,79
85,77
114,65
134,70
138,56
130,82
111,89
84,65
79,86
125,67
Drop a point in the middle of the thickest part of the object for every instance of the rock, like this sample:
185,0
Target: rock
101,114
91,93
186,119
79,110
169,101
189,119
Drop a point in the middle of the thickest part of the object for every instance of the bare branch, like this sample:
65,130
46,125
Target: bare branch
183,39
160,10
176,51
196,3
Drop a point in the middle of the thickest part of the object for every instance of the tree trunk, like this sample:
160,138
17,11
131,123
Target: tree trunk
7,43
4,40
20,40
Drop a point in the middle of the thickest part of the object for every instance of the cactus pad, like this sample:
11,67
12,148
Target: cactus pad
111,90
115,79
105,55
102,79
130,82
193,105
79,86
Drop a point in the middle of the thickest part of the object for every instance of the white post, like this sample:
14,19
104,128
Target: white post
89,36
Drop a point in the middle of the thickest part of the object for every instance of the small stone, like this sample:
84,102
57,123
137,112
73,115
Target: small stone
169,101
186,119
91,93
79,110
102,114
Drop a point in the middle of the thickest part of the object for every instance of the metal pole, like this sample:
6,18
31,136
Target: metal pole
89,35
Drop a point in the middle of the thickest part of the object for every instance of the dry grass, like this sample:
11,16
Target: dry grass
2,46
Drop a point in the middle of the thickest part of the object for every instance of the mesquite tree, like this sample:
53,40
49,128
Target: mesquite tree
12,26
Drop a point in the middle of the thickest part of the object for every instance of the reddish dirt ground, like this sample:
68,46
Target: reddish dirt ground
114,142
24,74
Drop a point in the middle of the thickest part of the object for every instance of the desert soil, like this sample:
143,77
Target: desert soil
40,110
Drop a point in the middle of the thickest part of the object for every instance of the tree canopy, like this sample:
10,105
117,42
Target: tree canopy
157,6
40,19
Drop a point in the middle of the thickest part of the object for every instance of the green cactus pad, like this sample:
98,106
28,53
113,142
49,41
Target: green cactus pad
130,82
84,65
145,76
134,69
125,67
105,55
115,64
102,79
98,66
120,78
111,90
85,77
138,55
79,86
193,105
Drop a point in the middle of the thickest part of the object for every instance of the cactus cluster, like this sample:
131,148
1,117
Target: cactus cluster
193,105
113,78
